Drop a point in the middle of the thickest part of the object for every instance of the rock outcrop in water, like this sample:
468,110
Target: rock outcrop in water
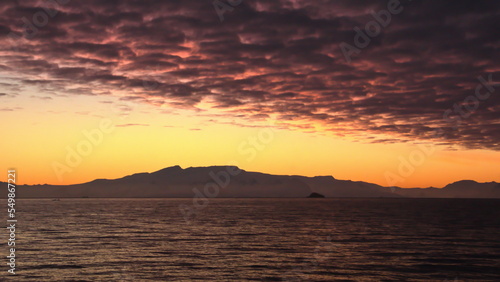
230,181
315,195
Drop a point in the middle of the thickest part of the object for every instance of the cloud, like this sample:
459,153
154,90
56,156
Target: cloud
279,59
131,124
46,98
10,109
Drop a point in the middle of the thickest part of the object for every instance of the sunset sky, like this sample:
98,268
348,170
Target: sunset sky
103,89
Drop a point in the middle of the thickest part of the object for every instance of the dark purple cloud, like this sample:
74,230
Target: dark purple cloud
273,58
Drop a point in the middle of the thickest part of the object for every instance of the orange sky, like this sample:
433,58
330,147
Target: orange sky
43,137
115,90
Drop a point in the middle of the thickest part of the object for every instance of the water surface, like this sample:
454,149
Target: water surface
258,239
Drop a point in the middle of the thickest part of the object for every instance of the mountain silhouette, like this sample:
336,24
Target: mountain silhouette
230,181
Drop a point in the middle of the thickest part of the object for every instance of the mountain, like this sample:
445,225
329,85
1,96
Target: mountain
230,181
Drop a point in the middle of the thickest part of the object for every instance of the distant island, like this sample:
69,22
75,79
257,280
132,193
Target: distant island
232,182
315,195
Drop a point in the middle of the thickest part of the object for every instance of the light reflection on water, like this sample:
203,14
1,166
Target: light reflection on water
257,239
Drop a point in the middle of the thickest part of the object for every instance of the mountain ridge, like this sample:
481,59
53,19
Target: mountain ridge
231,181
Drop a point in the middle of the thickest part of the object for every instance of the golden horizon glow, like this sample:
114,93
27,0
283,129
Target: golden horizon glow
147,138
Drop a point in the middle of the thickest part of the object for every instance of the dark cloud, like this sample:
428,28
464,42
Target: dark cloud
274,59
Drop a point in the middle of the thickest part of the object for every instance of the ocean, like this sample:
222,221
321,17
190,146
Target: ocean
348,239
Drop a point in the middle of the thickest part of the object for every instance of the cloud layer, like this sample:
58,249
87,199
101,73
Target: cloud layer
279,59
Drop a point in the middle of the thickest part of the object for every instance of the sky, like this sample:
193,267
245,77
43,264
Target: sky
401,93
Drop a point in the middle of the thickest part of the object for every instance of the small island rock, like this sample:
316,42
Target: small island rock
315,195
